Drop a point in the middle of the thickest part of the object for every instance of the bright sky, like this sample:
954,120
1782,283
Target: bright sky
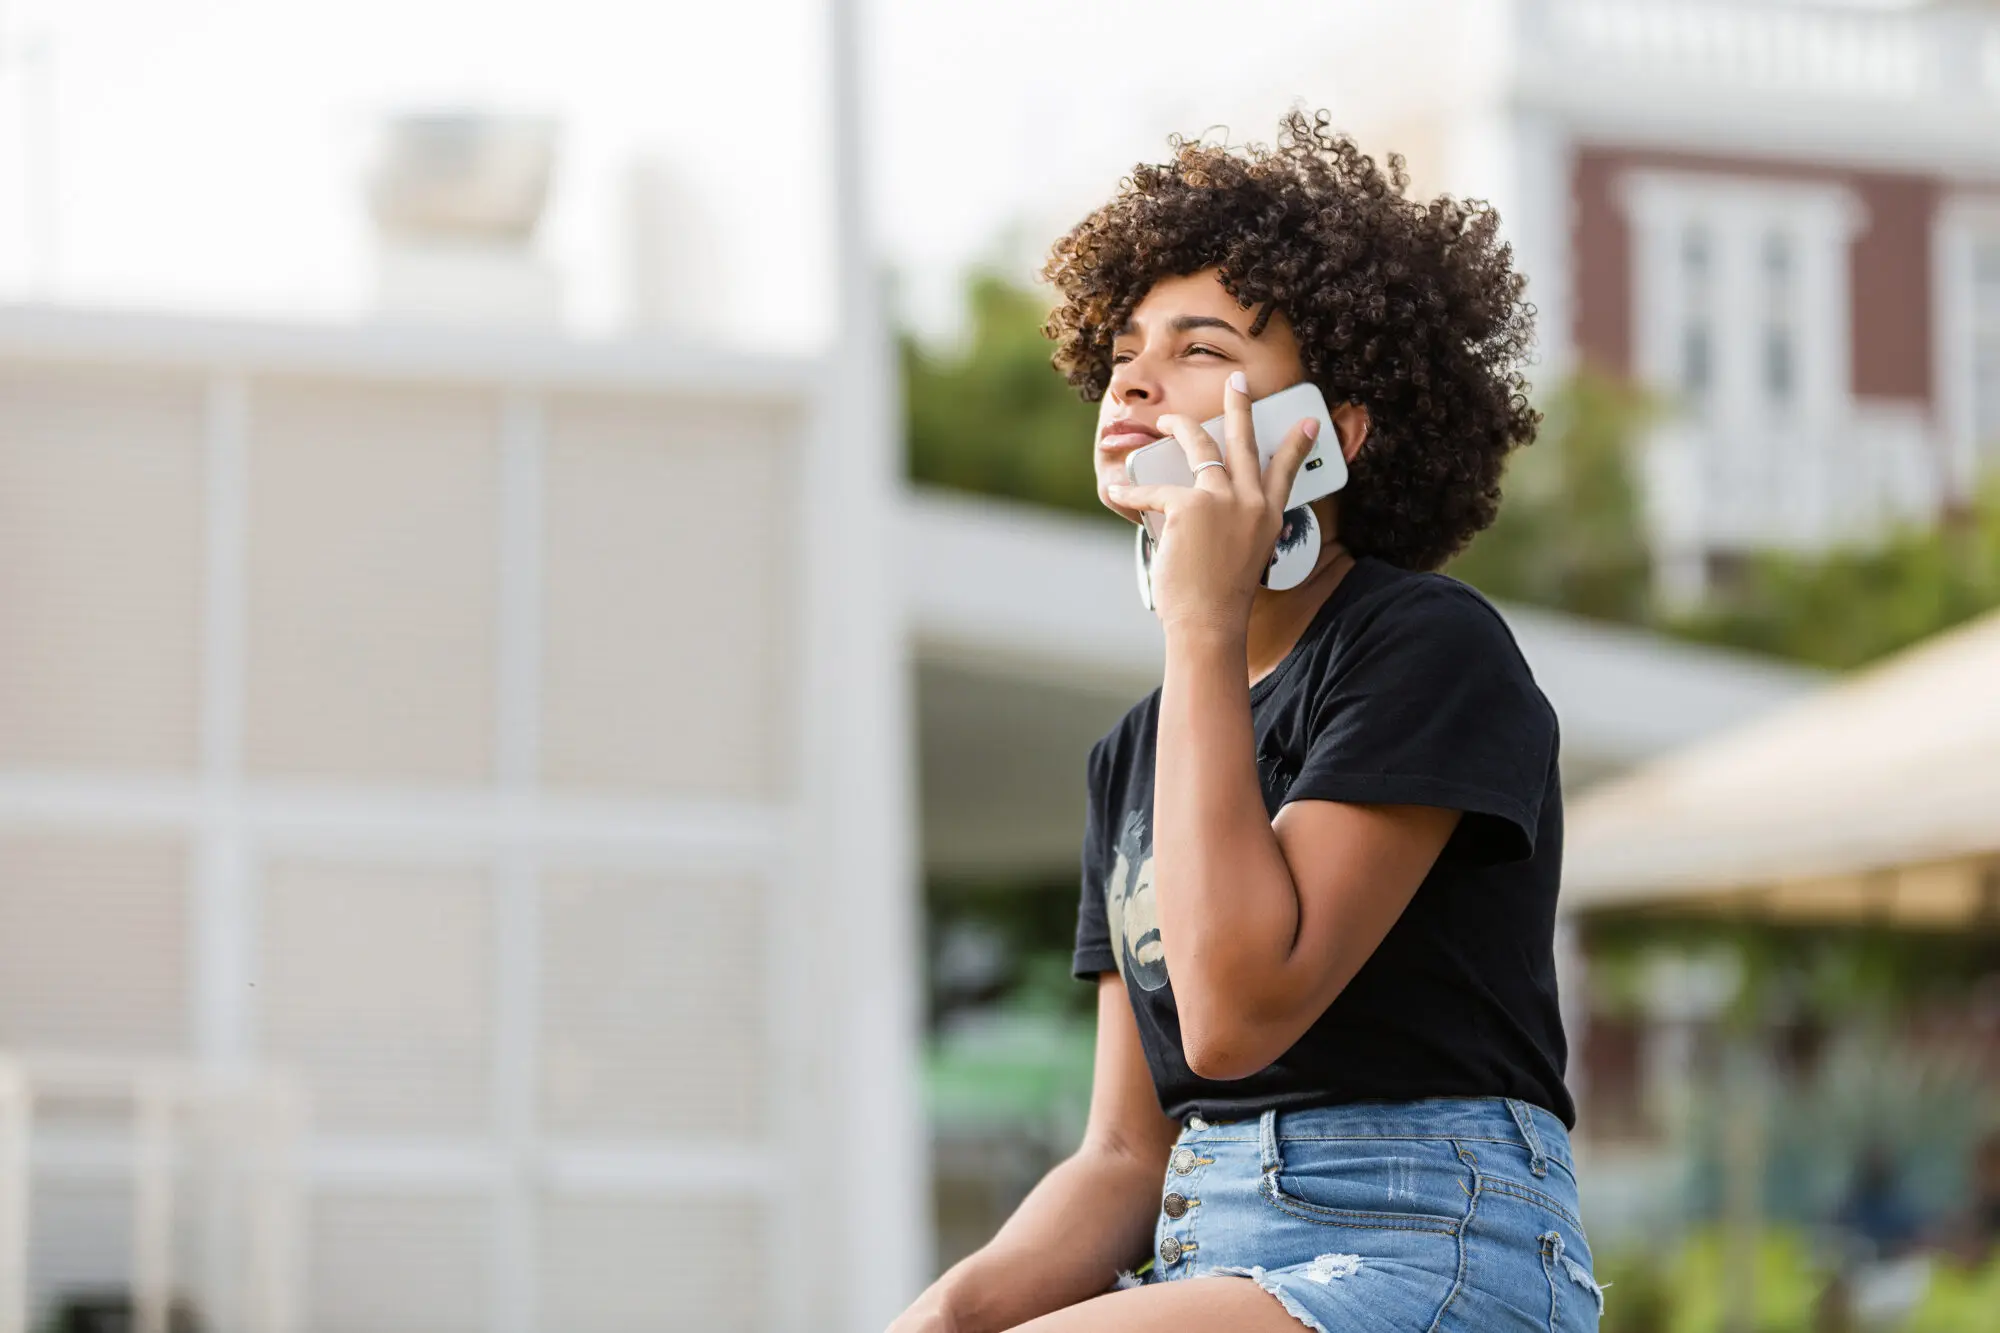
207,154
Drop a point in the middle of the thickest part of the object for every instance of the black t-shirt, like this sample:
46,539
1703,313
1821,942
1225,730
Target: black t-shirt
1407,689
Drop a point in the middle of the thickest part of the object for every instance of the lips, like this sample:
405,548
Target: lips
1125,436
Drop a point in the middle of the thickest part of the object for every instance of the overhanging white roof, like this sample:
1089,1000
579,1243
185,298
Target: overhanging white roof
1878,794
1030,643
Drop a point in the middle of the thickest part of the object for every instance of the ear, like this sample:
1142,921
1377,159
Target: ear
1350,422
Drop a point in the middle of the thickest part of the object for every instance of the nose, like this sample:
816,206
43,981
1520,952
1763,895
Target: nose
1133,381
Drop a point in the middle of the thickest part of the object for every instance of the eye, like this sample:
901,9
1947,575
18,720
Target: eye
1197,347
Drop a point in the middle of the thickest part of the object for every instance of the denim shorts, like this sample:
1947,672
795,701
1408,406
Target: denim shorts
1445,1214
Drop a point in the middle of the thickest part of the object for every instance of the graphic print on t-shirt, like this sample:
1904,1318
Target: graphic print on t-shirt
1131,911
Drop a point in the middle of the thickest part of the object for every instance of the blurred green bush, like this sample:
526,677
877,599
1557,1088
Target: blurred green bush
1685,1289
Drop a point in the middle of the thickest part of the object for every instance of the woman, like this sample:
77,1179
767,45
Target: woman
1321,861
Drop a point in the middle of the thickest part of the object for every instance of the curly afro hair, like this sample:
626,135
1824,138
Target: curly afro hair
1411,309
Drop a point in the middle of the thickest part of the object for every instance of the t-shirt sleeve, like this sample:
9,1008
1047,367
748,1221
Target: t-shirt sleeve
1434,705
1093,931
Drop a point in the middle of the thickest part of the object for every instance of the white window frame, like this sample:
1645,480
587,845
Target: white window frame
1738,213
1961,222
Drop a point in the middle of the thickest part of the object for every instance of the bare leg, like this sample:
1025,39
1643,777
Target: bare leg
1204,1305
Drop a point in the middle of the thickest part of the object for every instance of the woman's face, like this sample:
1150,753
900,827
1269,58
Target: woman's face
1182,343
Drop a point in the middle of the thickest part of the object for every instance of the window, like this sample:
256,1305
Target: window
1698,314
1986,345
1739,289
1779,334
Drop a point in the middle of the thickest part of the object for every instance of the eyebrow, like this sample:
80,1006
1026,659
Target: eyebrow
1183,323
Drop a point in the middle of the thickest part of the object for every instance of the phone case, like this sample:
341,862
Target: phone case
1324,471
1293,557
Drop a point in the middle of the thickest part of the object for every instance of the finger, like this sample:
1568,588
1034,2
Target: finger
1285,464
1240,430
1199,446
1158,499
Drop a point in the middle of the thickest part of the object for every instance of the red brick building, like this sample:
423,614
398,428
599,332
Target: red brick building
1784,216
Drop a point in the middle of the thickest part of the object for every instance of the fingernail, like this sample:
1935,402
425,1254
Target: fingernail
1312,428
1239,382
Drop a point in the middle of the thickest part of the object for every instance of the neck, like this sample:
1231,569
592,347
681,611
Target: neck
1278,618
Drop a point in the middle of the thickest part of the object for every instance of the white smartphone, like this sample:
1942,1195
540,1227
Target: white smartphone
1164,462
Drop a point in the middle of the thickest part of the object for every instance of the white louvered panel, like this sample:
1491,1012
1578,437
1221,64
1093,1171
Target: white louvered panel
93,943
670,561
642,1265
379,1264
100,569
373,515
654,1018
374,983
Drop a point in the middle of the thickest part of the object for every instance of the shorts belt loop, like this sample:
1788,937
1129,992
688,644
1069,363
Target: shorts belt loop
1267,1141
1538,1161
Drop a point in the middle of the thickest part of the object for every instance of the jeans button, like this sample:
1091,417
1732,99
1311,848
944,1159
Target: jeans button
1170,1251
1183,1161
1176,1206
1196,1123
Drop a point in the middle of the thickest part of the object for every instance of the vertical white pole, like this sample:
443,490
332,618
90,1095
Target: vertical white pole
1538,214
513,1295
14,1112
858,751
153,1202
271,1261
220,943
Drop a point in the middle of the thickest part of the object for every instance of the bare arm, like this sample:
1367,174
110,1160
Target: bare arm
1263,921
1091,1215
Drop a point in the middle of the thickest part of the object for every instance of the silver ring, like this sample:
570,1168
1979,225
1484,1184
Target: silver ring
1209,462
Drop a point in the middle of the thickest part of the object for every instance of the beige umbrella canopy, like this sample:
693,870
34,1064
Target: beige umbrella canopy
1877,798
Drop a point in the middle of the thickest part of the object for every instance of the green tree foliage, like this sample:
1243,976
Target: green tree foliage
1850,607
996,418
1569,535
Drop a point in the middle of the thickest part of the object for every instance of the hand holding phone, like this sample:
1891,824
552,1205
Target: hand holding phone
1323,472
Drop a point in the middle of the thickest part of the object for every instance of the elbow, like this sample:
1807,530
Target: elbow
1222,1051
1224,1039
1221,1064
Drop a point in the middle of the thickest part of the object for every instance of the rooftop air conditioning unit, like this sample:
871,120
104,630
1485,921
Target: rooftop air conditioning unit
456,196
471,174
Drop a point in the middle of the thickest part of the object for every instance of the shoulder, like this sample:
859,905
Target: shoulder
1127,739
1413,636
1402,600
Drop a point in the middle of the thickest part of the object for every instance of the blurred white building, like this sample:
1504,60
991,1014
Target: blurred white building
439,711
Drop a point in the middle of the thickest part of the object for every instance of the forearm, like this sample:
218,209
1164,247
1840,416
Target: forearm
1089,1218
1229,910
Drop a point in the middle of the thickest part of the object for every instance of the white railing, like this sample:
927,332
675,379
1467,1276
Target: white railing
1804,489
233,1140
1837,51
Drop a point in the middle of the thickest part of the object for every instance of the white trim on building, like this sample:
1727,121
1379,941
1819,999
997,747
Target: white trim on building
1965,303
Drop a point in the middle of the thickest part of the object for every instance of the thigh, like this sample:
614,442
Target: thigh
1200,1305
